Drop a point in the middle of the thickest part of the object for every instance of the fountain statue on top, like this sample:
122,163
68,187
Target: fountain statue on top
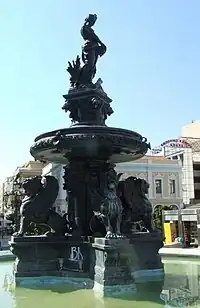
91,50
96,108
102,208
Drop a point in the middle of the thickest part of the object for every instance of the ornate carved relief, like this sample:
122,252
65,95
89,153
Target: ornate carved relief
173,175
141,175
158,175
127,174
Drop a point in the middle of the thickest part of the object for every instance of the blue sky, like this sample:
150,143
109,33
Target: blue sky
151,68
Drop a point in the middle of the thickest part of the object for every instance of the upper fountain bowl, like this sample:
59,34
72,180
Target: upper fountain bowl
89,142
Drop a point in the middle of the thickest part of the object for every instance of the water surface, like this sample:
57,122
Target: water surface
181,288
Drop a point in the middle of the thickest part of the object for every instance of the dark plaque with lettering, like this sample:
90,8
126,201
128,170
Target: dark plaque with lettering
77,258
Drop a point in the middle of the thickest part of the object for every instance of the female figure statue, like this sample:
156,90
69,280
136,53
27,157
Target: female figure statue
91,50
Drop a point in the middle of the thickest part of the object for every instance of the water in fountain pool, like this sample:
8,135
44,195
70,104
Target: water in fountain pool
179,289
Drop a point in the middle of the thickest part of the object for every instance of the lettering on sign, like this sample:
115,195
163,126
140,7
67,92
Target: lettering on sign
76,256
176,143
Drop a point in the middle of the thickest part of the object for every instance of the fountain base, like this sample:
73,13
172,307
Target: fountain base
110,267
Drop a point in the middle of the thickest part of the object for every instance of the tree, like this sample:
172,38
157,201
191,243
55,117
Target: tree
158,217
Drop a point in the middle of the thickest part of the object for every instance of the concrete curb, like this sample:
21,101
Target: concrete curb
180,252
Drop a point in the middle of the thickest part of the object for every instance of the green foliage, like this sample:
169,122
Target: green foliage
157,217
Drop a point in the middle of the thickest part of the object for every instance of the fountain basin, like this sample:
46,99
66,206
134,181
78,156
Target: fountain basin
89,142
110,267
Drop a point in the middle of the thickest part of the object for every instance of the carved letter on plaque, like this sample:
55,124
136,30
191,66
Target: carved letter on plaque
75,254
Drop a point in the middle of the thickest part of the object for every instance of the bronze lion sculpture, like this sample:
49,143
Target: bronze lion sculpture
136,205
36,207
127,205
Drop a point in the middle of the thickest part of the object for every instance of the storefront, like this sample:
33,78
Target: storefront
183,223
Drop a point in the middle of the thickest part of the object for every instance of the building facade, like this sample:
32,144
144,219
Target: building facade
1,206
12,191
57,171
28,170
191,133
186,149
181,151
1,197
6,188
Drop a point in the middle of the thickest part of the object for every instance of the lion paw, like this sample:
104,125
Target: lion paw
119,235
110,235
18,234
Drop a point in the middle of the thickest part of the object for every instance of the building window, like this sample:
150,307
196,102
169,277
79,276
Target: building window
196,166
172,187
197,179
197,194
158,186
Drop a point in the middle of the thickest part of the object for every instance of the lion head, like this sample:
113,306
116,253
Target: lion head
41,192
143,186
32,185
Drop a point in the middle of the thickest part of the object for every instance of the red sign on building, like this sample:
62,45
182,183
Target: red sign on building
176,143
